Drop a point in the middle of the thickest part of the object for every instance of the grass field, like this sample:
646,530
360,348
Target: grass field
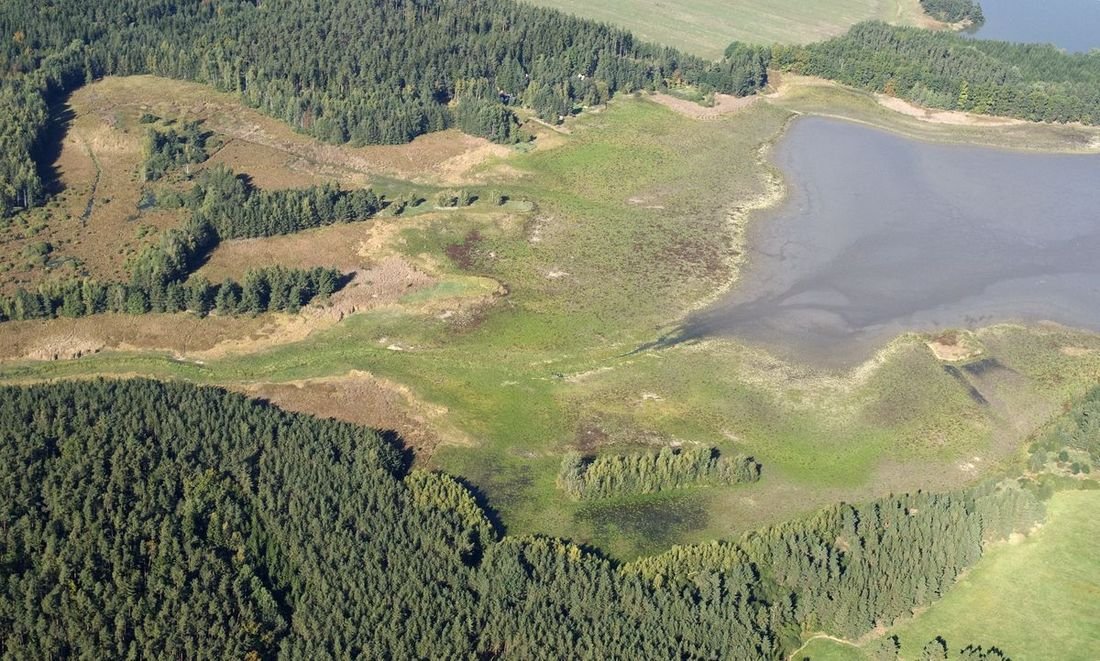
706,27
495,339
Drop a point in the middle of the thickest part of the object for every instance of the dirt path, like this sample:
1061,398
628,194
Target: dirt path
819,636
95,184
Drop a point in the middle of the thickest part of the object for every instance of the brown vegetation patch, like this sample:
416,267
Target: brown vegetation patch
724,104
465,254
364,399
181,334
335,246
94,224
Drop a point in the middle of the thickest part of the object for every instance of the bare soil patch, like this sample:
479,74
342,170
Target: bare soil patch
952,117
724,104
954,346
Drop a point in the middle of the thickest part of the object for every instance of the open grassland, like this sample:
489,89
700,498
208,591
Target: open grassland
1028,596
496,338
706,27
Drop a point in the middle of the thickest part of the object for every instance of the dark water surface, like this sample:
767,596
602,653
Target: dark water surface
1070,24
881,234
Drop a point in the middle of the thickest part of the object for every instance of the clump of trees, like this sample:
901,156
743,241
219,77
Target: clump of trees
235,209
954,11
168,148
140,518
947,70
607,476
1073,440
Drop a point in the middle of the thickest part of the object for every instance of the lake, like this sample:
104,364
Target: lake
1070,24
881,234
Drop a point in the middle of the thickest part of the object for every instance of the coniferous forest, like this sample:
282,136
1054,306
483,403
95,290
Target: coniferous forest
946,70
365,72
150,519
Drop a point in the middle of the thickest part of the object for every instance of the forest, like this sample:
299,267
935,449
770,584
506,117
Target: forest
955,11
423,66
947,70
607,476
143,518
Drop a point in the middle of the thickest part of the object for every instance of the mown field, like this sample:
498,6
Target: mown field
1028,597
495,339
706,27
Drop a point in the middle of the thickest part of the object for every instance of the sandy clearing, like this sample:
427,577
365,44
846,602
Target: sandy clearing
952,117
724,104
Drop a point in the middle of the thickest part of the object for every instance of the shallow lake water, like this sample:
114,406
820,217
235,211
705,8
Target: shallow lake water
1070,24
881,234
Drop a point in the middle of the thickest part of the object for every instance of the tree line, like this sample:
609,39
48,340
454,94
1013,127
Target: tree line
954,11
947,70
140,518
364,72
607,476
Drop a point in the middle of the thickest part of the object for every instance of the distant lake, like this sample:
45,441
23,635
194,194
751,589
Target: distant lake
881,234
1070,24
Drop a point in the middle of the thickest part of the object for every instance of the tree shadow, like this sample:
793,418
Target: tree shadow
47,151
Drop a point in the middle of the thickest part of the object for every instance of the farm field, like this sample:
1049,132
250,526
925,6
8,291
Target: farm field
497,338
706,27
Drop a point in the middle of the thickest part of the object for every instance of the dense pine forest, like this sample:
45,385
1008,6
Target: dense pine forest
946,70
359,71
150,519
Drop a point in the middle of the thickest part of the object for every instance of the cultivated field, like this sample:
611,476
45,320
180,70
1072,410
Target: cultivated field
706,27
